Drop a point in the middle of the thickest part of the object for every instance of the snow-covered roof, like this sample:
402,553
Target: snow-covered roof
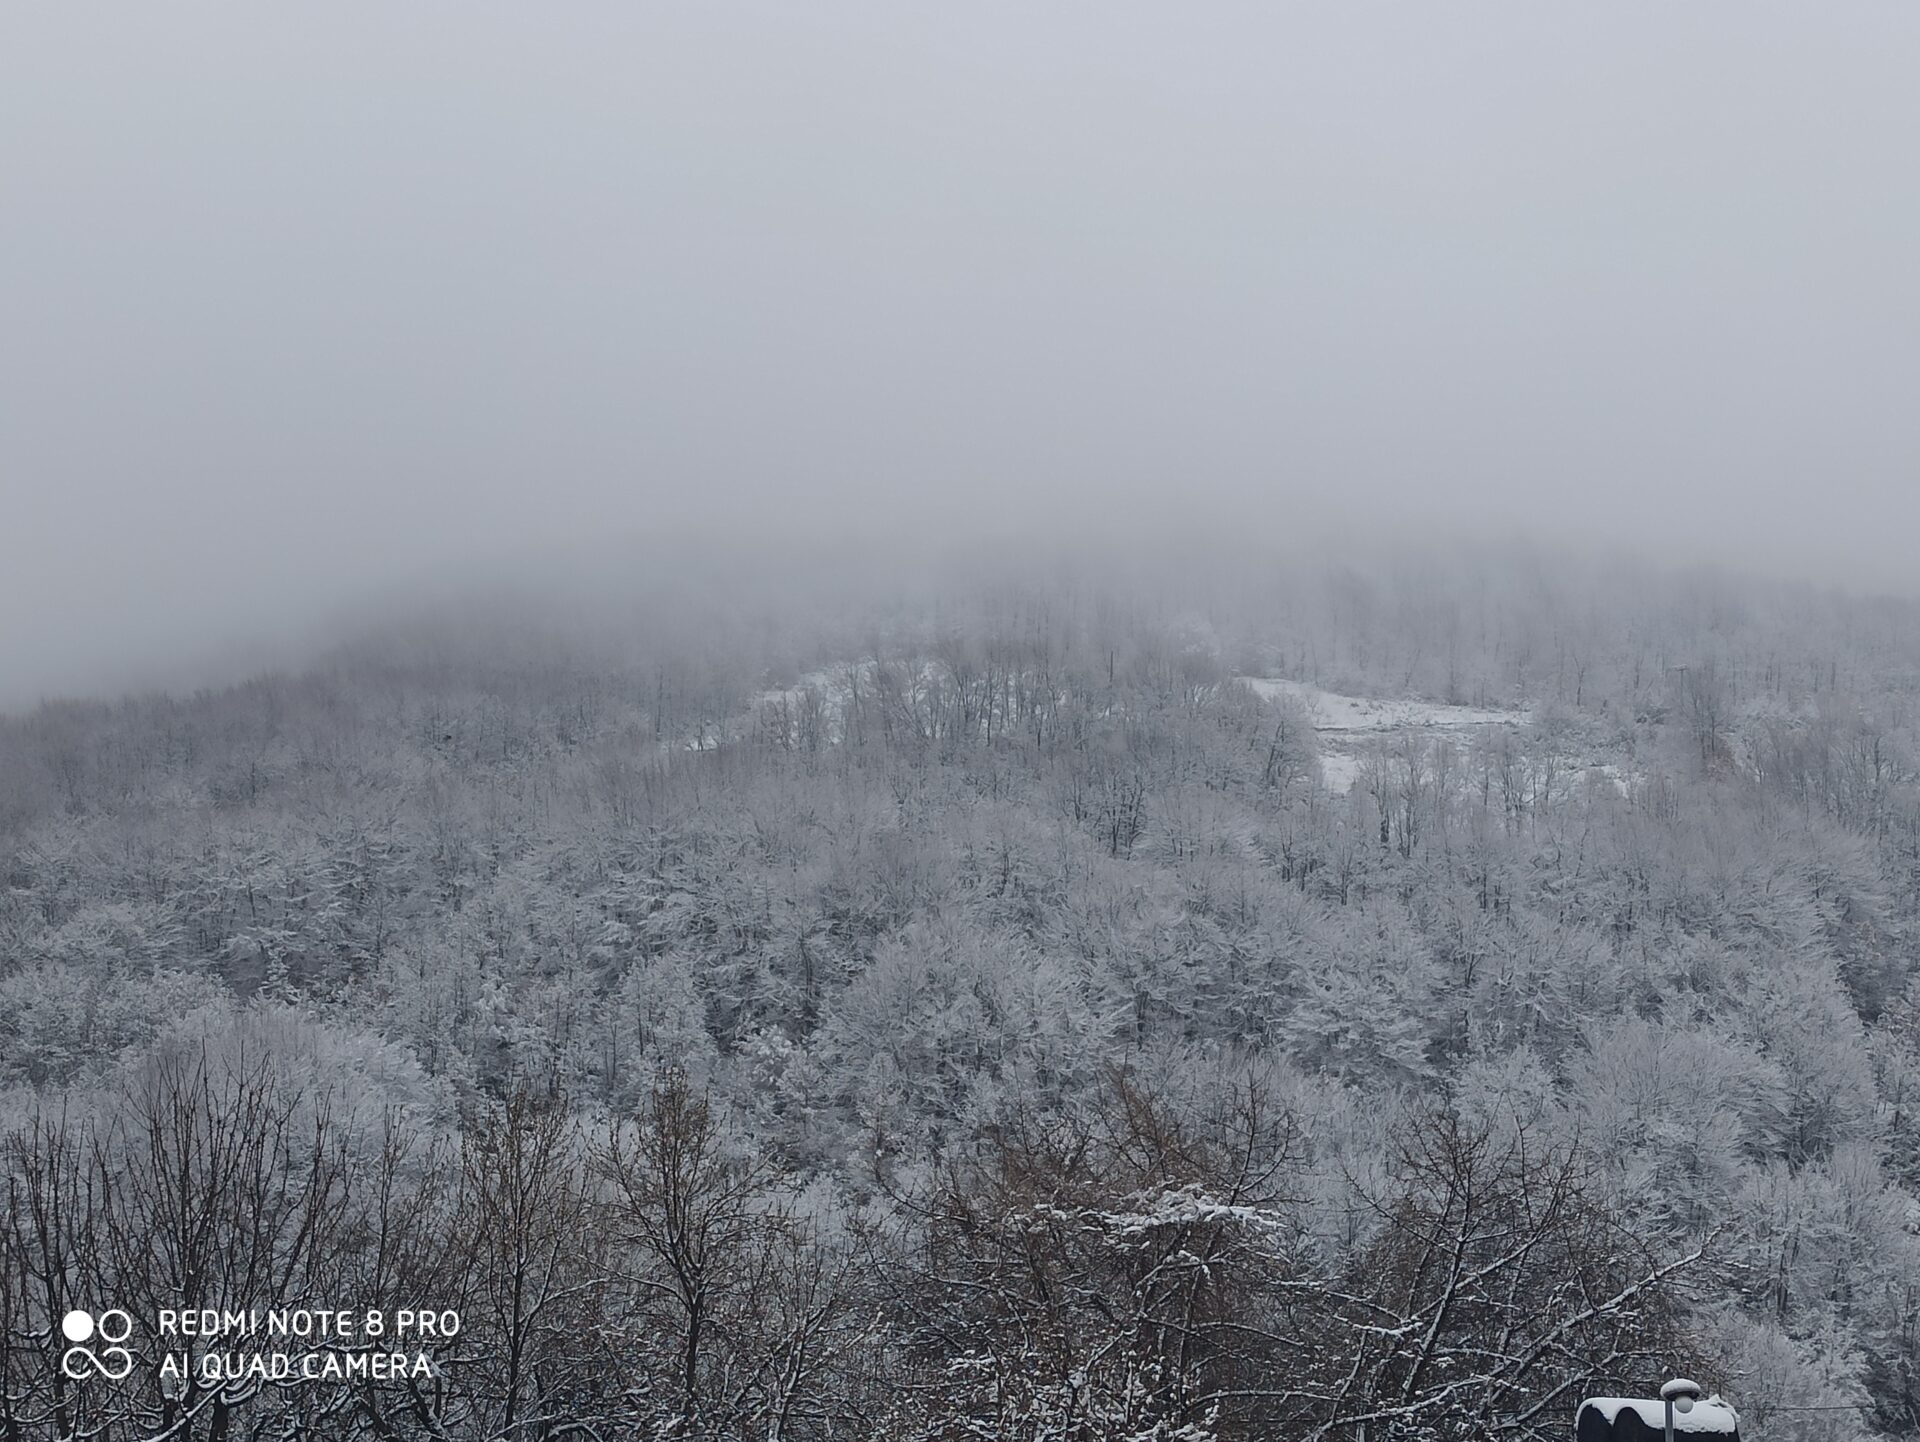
1708,1415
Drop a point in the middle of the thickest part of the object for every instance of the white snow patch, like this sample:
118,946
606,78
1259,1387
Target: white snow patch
1339,769
1345,722
1332,712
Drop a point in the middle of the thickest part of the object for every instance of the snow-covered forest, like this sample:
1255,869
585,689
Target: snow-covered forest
1242,999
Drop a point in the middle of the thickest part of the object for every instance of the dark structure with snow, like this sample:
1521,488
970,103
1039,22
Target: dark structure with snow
1643,1419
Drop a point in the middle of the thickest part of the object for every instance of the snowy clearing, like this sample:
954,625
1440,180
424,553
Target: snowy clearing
1346,723
1333,712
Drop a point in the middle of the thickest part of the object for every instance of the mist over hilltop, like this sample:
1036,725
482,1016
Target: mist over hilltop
299,314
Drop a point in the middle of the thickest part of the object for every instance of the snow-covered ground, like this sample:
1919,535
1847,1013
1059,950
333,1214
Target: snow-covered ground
1348,724
1349,727
1340,769
1342,715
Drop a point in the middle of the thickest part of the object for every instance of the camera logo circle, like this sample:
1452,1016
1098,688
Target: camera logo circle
111,1327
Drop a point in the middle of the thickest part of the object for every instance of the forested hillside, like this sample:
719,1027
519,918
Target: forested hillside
974,1011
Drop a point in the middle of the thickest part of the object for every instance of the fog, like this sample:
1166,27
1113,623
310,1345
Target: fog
296,310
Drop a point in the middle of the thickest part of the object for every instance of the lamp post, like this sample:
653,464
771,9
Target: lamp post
1679,1393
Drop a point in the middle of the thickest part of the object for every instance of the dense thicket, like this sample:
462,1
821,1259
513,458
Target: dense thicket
977,1016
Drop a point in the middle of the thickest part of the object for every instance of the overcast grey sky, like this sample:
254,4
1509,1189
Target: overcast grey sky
296,300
